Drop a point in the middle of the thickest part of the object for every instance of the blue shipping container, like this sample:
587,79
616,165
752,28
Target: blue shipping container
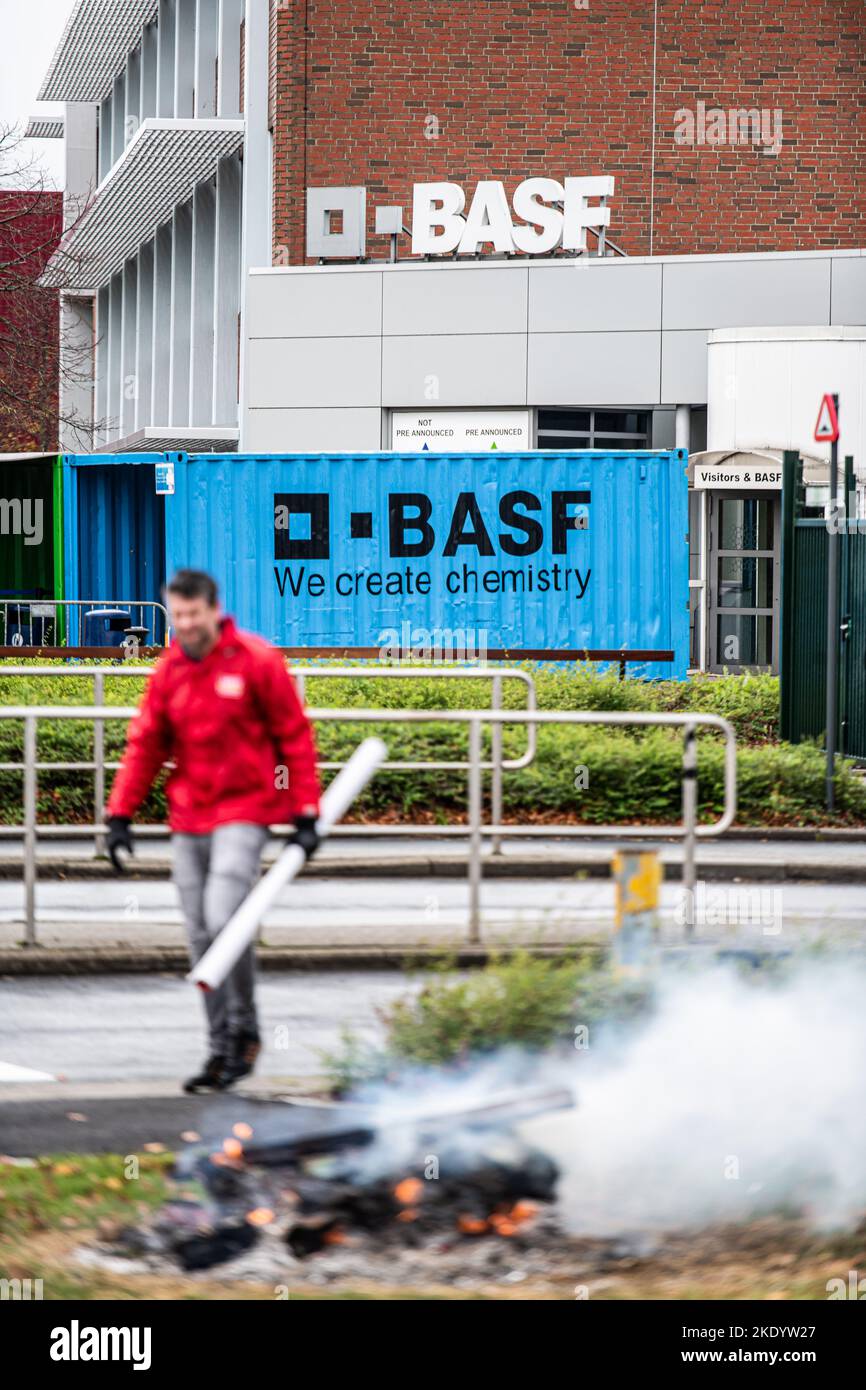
543,554
114,535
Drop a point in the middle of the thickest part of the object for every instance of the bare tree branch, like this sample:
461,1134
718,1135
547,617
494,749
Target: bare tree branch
43,362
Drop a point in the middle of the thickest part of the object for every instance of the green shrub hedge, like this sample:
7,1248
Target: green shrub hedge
589,774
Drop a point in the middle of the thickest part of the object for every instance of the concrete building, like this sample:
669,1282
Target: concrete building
702,352
298,236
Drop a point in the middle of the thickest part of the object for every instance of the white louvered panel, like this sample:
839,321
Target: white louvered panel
205,440
157,171
94,47
44,128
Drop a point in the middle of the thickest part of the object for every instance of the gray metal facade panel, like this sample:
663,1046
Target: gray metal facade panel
589,295
684,367
314,431
450,369
314,372
594,368
746,294
663,429
467,301
317,305
849,290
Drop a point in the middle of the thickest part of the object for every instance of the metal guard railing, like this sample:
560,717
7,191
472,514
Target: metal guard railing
476,830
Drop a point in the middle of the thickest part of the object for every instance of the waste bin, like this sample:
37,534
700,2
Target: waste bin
133,639
19,625
106,627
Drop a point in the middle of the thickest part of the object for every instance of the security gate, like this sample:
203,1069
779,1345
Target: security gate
743,572
804,617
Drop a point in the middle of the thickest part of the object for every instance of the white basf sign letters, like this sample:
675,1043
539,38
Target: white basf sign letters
440,228
463,431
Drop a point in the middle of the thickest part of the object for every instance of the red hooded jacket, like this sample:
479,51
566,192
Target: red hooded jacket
235,730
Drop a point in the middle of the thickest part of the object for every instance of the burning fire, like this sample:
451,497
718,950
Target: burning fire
472,1225
504,1221
408,1191
242,1130
260,1216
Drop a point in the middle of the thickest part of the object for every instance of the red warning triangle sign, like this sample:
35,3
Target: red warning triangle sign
827,426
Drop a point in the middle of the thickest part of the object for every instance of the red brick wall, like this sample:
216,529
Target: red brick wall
30,227
544,87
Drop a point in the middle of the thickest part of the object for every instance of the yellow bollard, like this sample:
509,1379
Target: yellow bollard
638,877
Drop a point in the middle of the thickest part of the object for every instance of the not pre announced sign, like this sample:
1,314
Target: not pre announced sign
447,431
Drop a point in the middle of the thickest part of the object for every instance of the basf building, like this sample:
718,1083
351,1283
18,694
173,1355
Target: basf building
322,228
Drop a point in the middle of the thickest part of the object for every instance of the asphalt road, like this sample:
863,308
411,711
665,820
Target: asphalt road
119,1045
140,1028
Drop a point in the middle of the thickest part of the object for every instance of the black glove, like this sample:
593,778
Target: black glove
306,835
119,837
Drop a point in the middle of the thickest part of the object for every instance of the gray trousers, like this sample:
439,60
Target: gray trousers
213,874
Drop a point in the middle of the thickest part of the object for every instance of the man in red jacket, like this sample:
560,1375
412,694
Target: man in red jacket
222,707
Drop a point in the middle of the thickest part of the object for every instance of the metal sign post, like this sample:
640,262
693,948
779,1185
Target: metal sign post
827,429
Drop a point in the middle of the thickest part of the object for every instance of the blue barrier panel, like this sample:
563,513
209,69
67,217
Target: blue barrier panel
114,532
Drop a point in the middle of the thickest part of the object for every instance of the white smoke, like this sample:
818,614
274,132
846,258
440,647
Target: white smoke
734,1098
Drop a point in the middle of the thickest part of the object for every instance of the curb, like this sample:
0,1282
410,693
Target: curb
43,960
456,867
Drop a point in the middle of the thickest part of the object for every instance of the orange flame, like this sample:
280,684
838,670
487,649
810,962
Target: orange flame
242,1130
524,1211
335,1237
504,1221
408,1191
472,1225
260,1216
233,1148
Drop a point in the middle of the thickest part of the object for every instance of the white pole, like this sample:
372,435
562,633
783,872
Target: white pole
237,934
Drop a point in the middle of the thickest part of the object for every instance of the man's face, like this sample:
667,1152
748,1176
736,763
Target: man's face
196,624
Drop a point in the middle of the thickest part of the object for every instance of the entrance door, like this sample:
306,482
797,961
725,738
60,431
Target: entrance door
744,581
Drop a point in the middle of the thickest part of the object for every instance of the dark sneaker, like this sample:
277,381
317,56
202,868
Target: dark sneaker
240,1062
210,1078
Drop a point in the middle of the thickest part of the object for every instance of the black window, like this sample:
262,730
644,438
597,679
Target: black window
594,429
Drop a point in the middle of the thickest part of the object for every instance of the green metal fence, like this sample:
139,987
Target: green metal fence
803,653
30,569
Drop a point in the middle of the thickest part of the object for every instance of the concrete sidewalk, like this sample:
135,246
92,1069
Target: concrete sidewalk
370,902
326,921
